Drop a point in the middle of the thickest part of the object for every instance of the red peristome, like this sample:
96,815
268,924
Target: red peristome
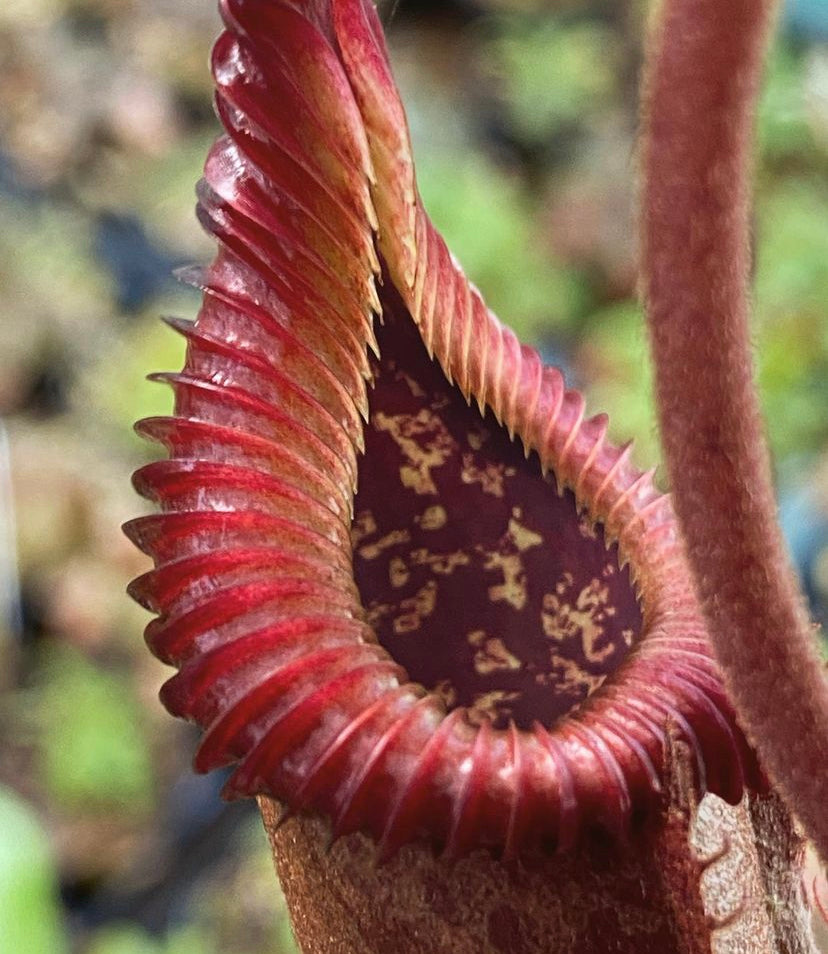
264,607
270,101
179,584
241,609
192,440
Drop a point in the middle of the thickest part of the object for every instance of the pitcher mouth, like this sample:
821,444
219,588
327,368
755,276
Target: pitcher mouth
394,678
295,577
487,583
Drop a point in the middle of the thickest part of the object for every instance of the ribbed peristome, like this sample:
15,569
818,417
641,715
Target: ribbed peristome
310,187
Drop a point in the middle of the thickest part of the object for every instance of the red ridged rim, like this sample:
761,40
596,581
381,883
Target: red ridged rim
253,575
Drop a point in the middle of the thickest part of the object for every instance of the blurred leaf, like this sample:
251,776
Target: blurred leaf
792,255
791,298
486,221
115,390
553,74
48,247
240,904
785,132
29,908
618,379
93,751
123,939
128,939
161,191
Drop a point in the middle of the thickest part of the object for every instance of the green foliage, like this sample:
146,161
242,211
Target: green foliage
129,939
618,378
161,190
44,248
792,259
115,388
785,129
553,74
791,293
29,909
486,220
93,751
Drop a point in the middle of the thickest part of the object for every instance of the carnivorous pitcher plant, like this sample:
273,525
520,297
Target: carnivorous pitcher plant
446,631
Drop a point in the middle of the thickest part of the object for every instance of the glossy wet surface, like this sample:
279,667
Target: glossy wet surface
477,576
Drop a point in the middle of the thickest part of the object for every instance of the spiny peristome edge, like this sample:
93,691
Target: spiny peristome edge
253,581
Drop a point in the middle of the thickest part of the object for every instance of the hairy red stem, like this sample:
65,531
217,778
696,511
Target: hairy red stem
700,102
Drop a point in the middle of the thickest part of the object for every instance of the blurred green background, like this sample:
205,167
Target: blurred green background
524,117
